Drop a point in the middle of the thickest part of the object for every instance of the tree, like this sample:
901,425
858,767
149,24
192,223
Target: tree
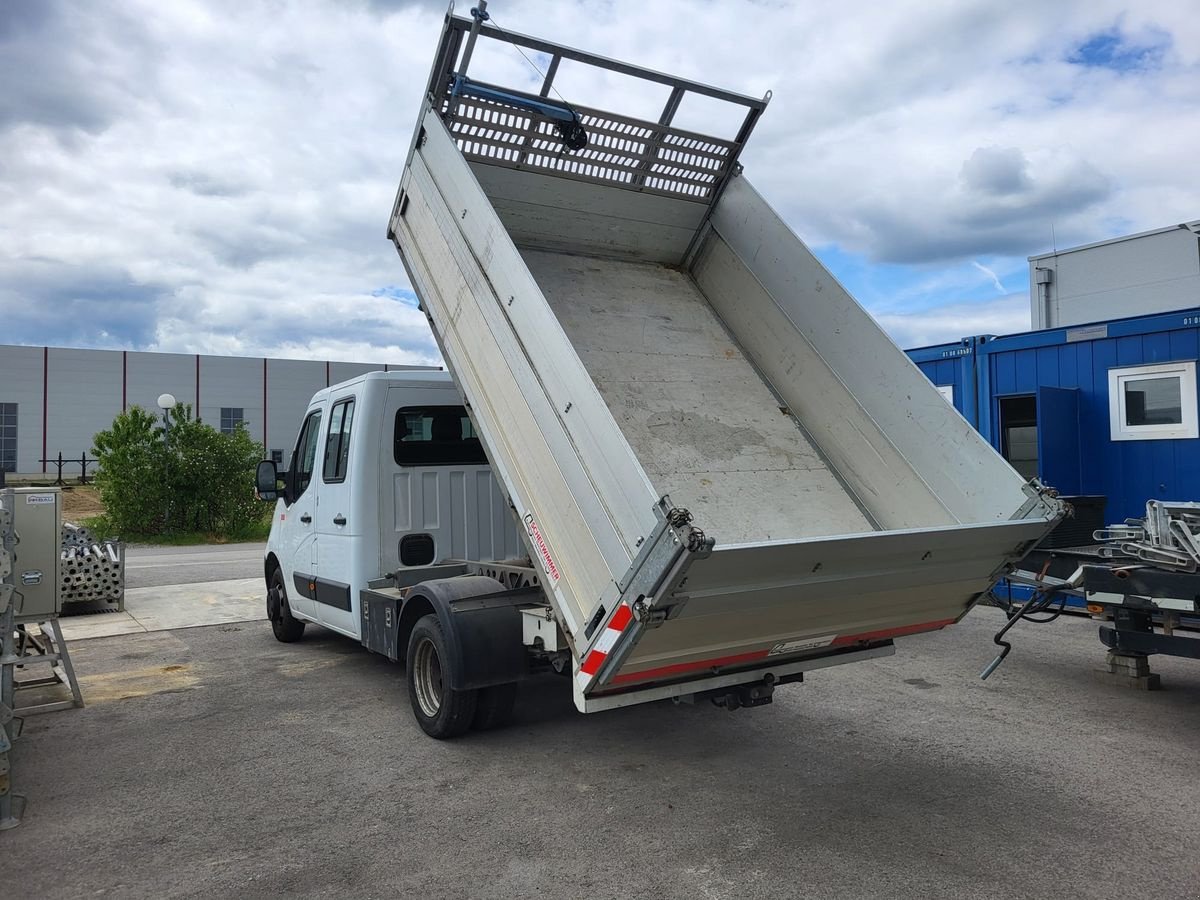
189,477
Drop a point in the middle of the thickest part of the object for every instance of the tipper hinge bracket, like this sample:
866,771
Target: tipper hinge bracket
653,617
1042,501
647,592
673,535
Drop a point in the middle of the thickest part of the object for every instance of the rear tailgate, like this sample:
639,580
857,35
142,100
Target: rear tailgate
750,605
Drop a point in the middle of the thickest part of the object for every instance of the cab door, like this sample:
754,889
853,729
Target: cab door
298,531
338,525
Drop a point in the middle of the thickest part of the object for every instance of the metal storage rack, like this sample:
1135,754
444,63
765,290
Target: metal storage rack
30,595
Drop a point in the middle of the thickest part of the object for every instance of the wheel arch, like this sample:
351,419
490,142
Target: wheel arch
483,639
270,564
414,609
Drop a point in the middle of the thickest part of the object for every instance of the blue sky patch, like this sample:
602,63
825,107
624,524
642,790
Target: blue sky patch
883,287
1111,50
395,292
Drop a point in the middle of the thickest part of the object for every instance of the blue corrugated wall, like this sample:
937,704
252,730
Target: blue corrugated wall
985,369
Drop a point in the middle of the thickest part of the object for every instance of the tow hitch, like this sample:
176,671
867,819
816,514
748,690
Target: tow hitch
757,693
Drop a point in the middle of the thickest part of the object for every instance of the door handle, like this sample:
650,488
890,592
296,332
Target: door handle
305,518
339,519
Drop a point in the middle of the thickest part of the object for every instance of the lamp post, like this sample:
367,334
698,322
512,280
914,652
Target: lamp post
166,402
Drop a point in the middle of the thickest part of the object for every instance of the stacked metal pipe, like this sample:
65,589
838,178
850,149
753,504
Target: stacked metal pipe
76,537
92,570
1169,536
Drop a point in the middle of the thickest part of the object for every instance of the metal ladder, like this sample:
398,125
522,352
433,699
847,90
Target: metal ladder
47,647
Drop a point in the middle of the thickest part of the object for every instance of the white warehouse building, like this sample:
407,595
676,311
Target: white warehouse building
53,399
1133,275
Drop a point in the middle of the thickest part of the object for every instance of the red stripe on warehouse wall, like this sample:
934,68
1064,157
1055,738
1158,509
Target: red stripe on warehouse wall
264,403
45,402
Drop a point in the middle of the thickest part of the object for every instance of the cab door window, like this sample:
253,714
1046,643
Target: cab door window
306,452
337,442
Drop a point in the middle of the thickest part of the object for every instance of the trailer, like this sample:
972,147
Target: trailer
724,473
1140,573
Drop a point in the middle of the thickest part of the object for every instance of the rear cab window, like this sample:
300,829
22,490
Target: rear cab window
436,436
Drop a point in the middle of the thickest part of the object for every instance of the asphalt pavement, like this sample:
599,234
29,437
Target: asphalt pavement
156,566
216,762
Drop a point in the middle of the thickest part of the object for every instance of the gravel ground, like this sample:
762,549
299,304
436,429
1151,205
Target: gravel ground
215,762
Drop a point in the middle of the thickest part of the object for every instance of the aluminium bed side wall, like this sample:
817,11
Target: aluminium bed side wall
910,458
550,437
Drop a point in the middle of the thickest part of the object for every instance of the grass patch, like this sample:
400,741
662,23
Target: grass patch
256,533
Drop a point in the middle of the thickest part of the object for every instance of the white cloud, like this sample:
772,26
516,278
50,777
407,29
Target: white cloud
215,176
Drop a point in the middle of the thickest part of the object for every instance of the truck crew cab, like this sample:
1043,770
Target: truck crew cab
387,474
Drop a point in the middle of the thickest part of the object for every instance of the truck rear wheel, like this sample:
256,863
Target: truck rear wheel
494,706
441,711
286,627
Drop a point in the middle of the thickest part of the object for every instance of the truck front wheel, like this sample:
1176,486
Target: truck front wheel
441,711
287,627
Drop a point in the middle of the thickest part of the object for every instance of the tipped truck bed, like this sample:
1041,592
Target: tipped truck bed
616,347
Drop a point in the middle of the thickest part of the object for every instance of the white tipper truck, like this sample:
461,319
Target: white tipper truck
672,457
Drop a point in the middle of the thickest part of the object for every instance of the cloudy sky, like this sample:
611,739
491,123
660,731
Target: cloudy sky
212,176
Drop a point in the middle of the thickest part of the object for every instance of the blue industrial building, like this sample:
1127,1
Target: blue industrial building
1107,409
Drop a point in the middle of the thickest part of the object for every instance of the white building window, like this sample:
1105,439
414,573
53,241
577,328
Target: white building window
231,418
947,391
8,437
1147,403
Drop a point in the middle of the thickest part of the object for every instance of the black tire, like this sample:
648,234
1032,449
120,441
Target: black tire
494,706
441,711
286,627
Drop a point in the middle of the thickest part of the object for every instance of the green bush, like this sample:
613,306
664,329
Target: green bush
186,478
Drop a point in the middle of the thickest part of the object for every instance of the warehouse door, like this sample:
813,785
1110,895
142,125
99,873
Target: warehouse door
1058,439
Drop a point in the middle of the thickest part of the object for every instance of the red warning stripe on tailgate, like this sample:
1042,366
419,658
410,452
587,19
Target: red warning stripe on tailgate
604,645
720,662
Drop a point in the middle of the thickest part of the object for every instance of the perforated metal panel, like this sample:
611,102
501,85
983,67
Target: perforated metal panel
633,154
621,151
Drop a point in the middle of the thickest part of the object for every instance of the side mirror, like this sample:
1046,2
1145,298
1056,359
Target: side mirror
266,481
